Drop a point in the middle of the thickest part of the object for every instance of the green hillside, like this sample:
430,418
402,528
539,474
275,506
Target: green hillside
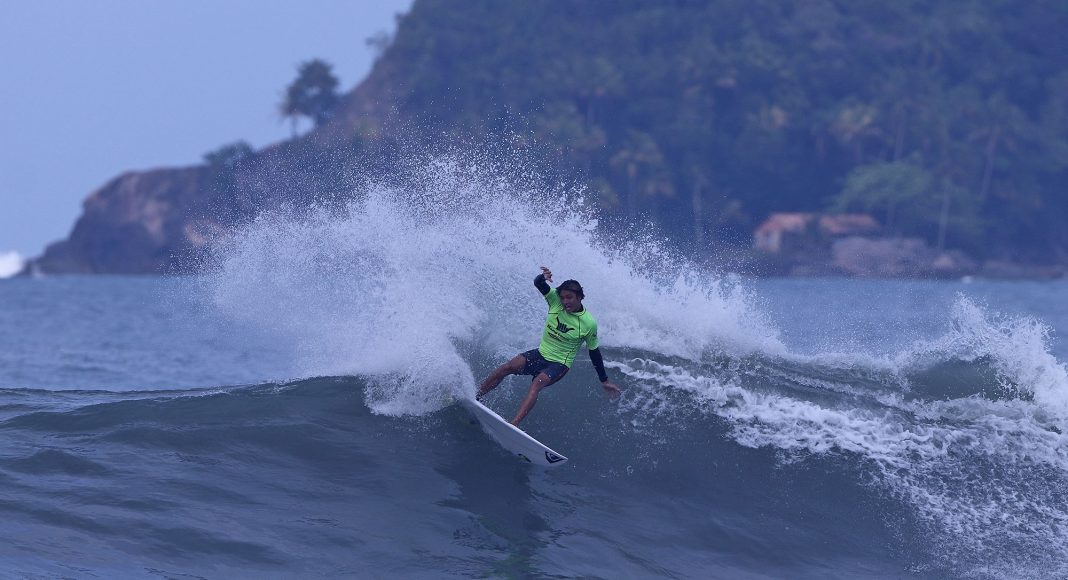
945,120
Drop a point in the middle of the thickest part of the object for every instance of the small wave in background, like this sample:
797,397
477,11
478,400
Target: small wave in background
10,264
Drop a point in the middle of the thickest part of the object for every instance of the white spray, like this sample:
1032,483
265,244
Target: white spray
406,284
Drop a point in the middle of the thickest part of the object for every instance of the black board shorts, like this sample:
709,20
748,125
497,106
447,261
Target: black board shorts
537,364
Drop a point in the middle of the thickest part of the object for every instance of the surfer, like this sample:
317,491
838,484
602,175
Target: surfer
568,325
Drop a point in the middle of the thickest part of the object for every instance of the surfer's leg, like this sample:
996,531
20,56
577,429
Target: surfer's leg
540,382
509,368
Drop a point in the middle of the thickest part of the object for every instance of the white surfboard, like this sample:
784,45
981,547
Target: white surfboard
513,438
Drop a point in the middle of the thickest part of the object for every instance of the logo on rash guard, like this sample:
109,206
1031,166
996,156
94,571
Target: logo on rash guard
561,327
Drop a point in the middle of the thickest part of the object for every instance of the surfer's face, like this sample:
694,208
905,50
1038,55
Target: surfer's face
571,301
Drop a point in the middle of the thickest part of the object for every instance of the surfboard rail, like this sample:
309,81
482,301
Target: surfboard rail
513,438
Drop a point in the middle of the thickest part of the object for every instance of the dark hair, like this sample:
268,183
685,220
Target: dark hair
572,286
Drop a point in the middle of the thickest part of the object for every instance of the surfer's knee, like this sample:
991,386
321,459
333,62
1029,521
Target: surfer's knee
545,379
541,381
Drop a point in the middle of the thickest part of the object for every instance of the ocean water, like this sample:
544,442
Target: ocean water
290,413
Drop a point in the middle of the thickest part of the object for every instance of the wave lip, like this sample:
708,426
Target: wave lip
1017,351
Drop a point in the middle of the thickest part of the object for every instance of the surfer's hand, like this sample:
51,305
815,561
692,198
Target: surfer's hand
547,273
611,389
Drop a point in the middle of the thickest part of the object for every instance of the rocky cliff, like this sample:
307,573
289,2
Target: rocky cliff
139,222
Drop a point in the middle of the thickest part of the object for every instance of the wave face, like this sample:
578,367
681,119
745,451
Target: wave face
780,472
293,412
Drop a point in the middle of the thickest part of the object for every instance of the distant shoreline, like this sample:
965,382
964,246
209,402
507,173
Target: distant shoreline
990,270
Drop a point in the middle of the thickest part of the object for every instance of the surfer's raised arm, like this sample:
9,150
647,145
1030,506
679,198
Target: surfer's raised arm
540,281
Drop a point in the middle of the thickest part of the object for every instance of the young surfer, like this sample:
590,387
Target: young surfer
566,328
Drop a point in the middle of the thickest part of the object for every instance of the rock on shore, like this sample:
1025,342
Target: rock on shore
139,222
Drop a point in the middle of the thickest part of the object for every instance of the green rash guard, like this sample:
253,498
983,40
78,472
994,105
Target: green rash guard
565,332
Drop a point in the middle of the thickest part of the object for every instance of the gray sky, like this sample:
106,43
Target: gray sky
92,89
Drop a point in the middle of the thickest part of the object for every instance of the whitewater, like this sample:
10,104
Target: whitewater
10,264
292,411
